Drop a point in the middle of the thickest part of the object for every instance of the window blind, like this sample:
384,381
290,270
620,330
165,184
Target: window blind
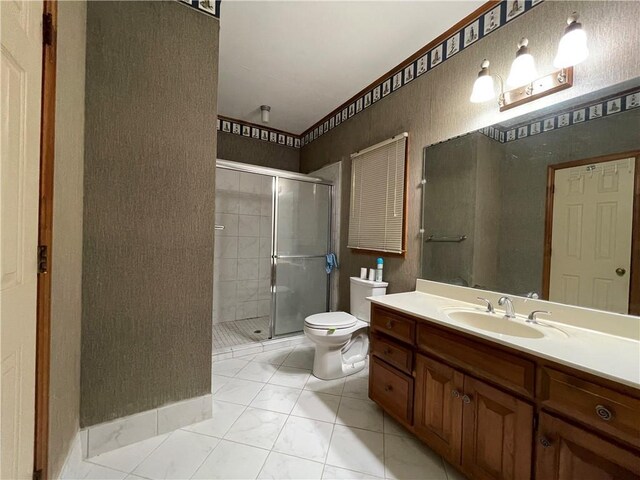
376,217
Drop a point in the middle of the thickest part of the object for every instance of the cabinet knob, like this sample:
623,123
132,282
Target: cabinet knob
455,393
545,442
466,399
387,351
389,324
388,388
604,413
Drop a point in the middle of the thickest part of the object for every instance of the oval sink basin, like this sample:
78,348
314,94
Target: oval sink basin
494,324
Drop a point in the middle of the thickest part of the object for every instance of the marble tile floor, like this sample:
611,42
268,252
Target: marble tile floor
239,332
273,419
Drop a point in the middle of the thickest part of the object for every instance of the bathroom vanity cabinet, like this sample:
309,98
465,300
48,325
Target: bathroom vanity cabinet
499,413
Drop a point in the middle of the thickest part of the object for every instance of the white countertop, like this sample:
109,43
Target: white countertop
606,355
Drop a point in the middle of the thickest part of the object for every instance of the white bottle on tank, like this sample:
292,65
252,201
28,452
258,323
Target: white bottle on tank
379,262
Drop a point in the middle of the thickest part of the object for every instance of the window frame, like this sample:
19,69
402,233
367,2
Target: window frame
405,200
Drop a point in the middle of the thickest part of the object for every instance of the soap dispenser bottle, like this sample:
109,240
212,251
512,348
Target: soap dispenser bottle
379,262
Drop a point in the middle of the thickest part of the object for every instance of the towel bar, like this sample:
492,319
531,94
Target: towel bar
454,239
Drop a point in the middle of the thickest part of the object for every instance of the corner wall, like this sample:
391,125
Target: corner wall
150,145
66,252
435,107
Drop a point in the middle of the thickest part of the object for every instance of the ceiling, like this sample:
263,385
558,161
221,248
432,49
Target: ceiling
305,58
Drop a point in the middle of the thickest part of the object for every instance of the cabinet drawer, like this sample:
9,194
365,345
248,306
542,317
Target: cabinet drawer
597,406
391,389
391,352
509,371
395,326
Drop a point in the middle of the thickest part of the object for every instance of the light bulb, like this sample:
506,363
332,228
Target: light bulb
483,89
523,68
573,45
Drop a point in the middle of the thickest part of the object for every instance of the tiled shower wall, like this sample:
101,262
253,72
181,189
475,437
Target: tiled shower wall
243,249
333,173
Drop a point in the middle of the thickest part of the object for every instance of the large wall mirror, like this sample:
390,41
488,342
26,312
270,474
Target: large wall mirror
547,204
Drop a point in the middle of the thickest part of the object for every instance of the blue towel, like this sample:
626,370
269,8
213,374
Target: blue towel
332,262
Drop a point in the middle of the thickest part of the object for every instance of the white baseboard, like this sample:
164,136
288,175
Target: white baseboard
108,436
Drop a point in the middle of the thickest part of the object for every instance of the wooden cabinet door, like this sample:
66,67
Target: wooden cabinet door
438,407
497,433
565,452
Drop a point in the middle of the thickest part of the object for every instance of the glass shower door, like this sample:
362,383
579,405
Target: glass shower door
302,239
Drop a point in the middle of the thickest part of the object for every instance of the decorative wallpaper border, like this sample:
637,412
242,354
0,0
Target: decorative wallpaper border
257,132
604,107
475,30
210,7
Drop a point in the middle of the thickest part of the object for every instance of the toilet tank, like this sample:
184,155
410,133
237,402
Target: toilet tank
360,290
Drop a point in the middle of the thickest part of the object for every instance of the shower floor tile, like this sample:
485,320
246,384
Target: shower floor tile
240,332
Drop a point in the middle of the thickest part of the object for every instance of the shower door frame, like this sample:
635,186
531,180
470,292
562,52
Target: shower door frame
275,175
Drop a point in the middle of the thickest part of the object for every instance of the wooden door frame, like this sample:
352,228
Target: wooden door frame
634,281
45,223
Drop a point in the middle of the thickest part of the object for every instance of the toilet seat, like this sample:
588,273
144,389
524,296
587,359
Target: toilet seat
330,320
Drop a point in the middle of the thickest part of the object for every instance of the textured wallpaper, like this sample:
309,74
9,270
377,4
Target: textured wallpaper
148,208
256,152
436,106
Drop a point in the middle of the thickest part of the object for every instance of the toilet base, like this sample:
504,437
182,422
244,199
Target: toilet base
338,356
328,365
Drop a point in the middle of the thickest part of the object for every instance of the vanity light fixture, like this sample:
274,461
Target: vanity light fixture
483,88
573,44
523,68
264,113
528,86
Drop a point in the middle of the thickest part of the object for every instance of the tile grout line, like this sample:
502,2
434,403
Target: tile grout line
138,464
333,428
108,468
384,450
153,450
290,454
206,457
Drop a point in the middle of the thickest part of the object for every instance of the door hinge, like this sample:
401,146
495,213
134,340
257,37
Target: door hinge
47,29
37,474
535,422
43,258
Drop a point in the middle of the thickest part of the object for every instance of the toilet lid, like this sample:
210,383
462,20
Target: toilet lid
331,320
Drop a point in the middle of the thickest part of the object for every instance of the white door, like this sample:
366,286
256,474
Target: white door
20,87
591,235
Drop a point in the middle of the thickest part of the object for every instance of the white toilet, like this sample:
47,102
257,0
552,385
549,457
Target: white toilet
342,340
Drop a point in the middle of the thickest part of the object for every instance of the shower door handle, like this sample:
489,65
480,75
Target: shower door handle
299,256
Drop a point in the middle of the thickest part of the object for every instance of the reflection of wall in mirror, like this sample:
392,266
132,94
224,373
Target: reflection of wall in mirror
462,183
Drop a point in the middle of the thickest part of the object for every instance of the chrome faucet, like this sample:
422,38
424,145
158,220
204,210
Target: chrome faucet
509,311
532,316
489,305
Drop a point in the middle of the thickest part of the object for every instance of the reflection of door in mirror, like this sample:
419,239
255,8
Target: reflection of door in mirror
591,232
